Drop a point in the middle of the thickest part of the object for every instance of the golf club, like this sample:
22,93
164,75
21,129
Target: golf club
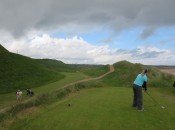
155,101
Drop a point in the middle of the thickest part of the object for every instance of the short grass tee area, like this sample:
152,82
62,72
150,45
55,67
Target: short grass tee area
104,108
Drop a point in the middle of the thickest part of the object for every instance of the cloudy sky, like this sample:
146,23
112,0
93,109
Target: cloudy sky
91,31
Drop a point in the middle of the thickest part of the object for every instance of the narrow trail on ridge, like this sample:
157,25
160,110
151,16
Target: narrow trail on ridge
111,69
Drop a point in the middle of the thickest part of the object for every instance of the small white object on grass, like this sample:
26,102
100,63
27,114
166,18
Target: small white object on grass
162,107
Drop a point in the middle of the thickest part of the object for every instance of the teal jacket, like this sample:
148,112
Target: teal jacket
140,80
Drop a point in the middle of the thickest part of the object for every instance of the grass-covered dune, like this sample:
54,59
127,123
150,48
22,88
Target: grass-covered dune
125,73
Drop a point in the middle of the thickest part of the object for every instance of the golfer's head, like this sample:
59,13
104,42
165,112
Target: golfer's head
145,71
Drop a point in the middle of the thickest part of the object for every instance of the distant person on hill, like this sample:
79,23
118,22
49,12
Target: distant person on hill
30,92
139,83
19,95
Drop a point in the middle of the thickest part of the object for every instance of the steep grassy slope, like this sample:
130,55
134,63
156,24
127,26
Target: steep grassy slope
126,72
3,50
20,72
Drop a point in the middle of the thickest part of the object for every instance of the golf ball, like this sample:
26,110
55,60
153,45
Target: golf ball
162,107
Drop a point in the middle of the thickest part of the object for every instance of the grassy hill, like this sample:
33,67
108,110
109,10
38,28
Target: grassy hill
3,50
20,72
126,72
91,70
56,65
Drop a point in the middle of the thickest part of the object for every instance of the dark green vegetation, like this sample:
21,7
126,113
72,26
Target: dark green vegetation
56,65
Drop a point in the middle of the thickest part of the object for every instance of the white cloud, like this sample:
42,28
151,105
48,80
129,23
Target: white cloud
77,50
153,56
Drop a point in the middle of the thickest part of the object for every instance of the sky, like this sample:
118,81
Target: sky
90,32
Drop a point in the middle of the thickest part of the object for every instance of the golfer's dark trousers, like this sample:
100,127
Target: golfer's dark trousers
137,100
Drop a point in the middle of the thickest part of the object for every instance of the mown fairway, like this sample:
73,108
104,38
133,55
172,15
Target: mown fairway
105,108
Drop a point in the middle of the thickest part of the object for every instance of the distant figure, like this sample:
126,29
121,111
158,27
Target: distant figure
30,92
19,95
174,84
139,83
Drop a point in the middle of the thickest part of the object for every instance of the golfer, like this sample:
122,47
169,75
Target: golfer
140,80
19,95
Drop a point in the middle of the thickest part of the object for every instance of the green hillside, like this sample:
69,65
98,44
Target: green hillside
3,50
20,72
56,65
92,70
125,73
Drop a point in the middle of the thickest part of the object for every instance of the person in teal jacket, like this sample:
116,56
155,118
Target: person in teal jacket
140,81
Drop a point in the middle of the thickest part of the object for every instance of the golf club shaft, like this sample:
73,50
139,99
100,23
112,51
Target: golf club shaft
153,99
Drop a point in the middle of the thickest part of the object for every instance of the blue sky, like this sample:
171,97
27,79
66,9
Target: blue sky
90,32
163,38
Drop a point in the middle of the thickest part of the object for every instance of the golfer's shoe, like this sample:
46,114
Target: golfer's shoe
142,109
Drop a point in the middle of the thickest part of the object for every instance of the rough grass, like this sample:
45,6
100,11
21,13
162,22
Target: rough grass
106,108
92,70
126,72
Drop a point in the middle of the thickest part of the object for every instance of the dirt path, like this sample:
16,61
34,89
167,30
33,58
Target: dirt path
111,69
